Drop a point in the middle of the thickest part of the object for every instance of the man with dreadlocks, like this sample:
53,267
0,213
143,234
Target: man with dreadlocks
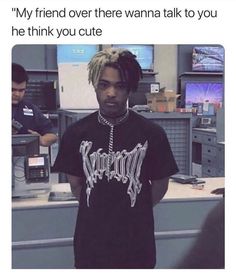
118,164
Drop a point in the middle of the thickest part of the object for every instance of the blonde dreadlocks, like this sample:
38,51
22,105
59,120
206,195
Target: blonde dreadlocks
120,59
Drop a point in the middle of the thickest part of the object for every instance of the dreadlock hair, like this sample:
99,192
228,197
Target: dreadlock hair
122,60
19,74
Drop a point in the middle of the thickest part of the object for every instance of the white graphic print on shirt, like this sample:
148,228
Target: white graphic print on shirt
126,166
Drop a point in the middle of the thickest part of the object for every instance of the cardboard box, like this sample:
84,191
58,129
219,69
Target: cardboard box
163,101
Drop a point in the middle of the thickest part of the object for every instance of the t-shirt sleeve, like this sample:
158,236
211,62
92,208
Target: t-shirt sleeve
68,159
161,162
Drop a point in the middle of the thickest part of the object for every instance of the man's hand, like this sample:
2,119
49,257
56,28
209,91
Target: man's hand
159,188
75,185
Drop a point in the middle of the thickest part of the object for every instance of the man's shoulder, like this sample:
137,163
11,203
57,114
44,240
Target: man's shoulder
84,122
29,105
90,118
138,117
145,123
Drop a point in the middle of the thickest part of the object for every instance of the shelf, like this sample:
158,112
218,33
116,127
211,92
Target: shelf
202,73
56,71
42,71
149,73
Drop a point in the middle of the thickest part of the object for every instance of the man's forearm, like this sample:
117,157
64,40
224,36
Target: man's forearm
48,139
159,189
76,190
75,185
45,140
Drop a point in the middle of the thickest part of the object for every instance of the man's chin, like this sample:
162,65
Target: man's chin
15,102
110,113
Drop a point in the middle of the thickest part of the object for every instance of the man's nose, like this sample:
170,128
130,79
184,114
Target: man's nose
17,93
111,91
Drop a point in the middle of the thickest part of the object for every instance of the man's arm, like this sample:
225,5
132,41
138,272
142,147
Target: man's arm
75,185
159,188
45,140
48,139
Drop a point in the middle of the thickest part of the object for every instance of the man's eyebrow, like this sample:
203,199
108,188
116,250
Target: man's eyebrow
104,80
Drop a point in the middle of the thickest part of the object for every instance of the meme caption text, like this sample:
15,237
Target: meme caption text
95,14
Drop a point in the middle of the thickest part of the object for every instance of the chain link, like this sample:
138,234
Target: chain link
103,121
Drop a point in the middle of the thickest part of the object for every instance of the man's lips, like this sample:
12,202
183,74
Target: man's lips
15,99
111,103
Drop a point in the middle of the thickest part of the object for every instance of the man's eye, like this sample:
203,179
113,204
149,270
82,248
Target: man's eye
120,86
18,90
102,85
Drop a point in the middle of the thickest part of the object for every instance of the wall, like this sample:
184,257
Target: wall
43,57
35,57
166,61
165,64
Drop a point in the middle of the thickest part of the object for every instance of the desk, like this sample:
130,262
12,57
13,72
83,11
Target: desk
42,231
207,152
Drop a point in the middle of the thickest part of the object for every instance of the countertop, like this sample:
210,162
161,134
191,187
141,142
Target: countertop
208,130
176,191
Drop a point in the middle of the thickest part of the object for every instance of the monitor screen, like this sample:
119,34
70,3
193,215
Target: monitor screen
75,53
144,54
25,145
42,93
207,58
208,94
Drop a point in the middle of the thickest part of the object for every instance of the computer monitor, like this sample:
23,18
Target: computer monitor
144,54
42,93
203,93
75,53
25,145
208,59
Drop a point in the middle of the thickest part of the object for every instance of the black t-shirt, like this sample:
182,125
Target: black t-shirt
115,227
31,118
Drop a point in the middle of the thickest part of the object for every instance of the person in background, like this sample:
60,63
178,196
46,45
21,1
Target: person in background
26,117
118,164
208,251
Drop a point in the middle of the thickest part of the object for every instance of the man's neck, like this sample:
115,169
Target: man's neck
117,119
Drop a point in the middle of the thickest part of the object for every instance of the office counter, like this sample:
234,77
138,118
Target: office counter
42,231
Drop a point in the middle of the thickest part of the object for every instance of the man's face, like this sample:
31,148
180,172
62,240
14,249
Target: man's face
111,93
18,91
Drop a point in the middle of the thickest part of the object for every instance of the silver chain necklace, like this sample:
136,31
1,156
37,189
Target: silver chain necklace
104,121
